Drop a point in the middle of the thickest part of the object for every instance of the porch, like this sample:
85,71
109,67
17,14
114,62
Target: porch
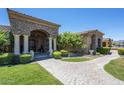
39,41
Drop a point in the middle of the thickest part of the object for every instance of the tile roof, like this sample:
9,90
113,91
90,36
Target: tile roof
35,18
85,32
5,28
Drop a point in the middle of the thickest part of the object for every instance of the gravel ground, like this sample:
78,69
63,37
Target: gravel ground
82,73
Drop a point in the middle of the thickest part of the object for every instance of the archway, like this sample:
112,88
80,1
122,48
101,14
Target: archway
99,42
38,41
104,44
93,42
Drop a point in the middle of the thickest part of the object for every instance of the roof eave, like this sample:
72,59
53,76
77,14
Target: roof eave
34,18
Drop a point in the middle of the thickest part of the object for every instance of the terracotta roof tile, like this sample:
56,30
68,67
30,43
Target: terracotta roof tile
5,28
85,32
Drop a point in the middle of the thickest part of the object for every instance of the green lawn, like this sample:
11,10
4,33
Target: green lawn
28,74
116,68
76,59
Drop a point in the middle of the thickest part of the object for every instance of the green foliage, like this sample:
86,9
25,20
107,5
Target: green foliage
6,58
57,54
4,40
69,41
27,74
64,53
121,51
116,68
97,53
25,58
104,50
76,59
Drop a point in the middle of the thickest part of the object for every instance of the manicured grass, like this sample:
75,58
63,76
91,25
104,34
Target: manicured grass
76,59
28,74
116,68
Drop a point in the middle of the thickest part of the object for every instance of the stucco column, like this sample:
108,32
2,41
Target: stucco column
54,42
16,44
26,43
50,46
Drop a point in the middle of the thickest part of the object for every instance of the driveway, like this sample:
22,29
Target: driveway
82,73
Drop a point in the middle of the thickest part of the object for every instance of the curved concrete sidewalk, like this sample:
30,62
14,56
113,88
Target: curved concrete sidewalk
85,73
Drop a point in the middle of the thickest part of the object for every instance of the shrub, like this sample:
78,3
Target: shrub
16,60
64,53
6,58
70,41
57,54
97,53
25,58
121,51
4,40
104,50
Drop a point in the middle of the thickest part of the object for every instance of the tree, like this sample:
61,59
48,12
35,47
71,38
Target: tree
4,40
69,41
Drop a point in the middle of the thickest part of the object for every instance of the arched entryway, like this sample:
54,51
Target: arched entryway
38,41
99,42
93,42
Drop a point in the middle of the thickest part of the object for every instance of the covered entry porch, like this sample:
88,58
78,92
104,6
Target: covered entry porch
31,33
38,41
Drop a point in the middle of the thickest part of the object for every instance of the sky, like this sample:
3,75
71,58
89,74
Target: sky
108,21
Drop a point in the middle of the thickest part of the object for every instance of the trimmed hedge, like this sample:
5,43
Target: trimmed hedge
97,53
64,53
57,54
25,58
6,58
104,50
121,51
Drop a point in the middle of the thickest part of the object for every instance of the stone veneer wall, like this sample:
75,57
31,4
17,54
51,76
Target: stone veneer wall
25,27
87,38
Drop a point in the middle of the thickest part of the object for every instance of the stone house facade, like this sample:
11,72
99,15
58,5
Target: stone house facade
92,39
107,42
31,33
39,35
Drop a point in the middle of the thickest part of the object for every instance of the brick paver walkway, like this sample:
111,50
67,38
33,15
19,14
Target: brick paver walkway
88,73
